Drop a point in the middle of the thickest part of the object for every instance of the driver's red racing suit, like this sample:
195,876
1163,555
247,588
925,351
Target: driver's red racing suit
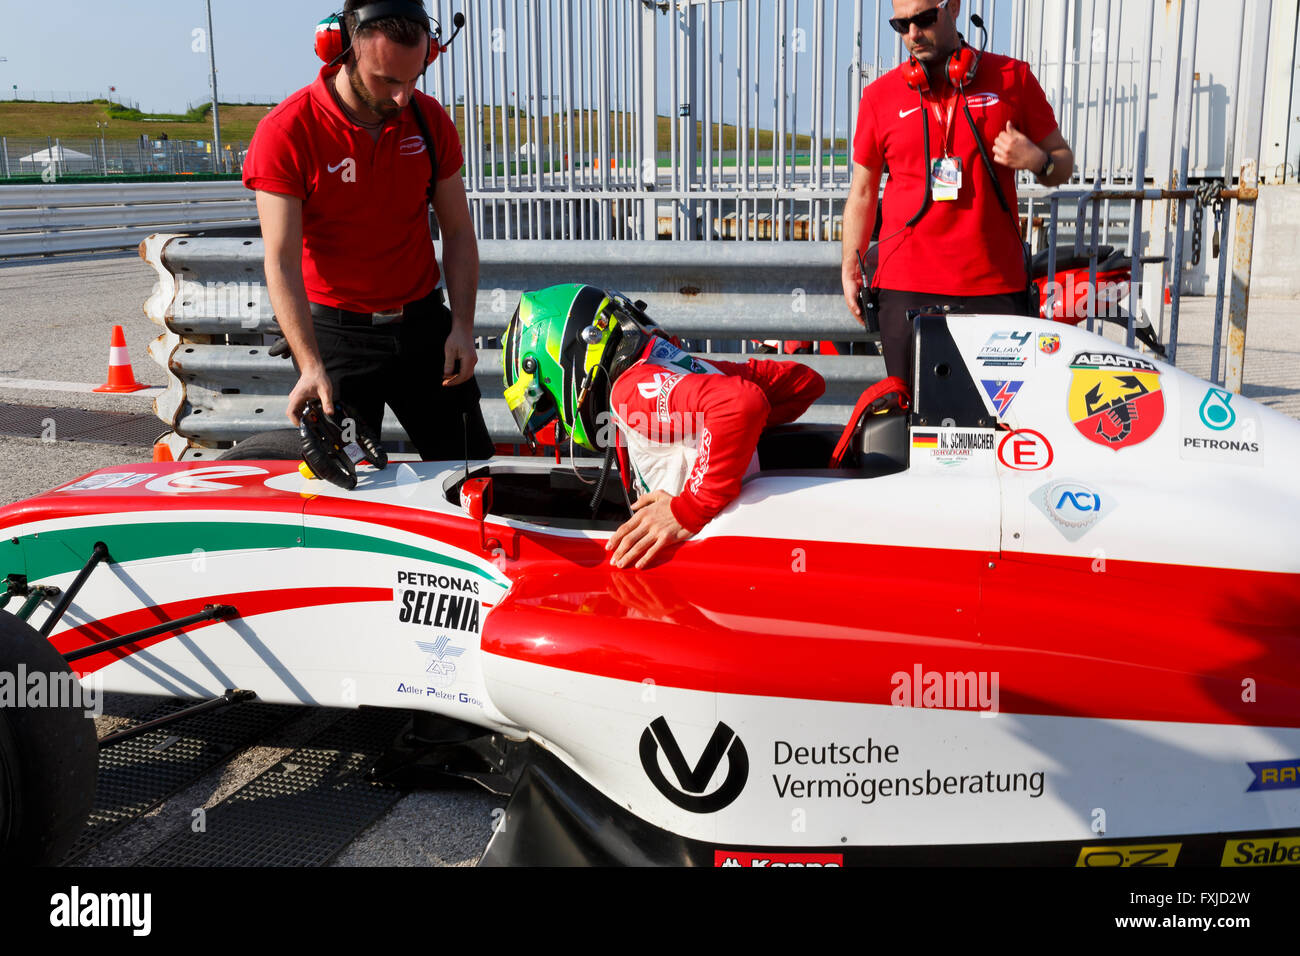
691,427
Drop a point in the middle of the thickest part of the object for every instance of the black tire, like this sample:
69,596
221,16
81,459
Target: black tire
282,443
49,757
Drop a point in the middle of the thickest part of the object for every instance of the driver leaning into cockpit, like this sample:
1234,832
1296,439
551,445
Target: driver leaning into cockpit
688,428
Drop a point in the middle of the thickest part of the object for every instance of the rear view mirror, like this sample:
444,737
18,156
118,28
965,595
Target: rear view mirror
476,497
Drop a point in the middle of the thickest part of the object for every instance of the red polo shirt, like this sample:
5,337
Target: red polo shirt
365,224
967,246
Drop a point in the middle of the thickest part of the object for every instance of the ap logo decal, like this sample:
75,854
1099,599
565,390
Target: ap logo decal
688,793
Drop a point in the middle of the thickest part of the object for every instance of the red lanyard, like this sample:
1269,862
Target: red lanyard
945,125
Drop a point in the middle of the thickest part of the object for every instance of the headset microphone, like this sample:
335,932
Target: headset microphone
333,41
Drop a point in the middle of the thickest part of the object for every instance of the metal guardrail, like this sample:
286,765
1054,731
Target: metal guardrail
223,384
42,219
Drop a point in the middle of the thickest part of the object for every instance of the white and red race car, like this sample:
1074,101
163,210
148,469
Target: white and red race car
1049,615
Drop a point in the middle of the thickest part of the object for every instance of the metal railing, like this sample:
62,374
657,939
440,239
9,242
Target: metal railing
52,158
224,385
41,219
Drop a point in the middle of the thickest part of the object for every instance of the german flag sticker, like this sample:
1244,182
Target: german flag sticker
925,439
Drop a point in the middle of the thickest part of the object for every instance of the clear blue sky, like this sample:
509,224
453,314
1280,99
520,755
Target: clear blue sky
150,52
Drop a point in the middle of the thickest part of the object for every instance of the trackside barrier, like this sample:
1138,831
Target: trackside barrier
58,217
224,385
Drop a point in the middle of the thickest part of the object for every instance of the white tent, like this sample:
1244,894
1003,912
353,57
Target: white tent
60,156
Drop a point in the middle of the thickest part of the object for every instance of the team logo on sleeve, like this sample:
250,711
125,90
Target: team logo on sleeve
1115,400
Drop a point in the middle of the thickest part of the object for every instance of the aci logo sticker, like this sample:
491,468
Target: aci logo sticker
690,795
1073,507
1026,450
1115,400
1049,343
1001,394
1275,775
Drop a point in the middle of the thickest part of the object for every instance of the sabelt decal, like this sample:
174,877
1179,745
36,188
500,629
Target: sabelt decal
1275,775
690,795
1115,400
1026,450
1214,431
1072,506
1147,854
1260,851
747,858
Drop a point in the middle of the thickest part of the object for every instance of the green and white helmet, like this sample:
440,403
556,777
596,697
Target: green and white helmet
559,345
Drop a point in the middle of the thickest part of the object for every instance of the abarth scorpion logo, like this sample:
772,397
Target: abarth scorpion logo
693,780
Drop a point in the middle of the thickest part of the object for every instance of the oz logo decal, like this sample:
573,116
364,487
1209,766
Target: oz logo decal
1115,400
689,793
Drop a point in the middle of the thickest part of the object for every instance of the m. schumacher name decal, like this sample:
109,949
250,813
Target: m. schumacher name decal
441,601
1115,400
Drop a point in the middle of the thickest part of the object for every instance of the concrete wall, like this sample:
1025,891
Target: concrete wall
1275,261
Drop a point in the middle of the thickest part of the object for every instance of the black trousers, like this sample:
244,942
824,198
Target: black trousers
400,364
896,331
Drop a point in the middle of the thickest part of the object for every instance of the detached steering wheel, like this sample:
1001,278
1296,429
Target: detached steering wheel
888,393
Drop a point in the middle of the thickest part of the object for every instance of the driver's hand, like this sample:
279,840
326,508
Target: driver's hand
646,533
312,383
459,348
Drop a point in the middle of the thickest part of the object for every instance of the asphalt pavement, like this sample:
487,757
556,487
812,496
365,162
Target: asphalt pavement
56,316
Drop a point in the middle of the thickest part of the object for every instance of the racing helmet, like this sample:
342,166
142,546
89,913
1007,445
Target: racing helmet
561,352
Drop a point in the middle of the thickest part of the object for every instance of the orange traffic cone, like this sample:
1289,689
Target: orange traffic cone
162,452
120,376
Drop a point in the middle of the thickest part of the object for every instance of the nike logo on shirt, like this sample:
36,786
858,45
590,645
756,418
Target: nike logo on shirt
905,113
335,168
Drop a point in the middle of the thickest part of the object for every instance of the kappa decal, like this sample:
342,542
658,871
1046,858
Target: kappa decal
690,795
730,858
1115,400
1026,450
1001,393
1049,343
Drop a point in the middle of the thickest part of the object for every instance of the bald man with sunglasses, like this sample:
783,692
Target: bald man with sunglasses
949,233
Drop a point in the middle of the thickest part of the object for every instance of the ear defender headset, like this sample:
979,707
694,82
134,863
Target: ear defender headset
961,67
333,41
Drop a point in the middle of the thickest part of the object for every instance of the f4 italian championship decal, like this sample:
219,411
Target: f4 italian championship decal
1115,400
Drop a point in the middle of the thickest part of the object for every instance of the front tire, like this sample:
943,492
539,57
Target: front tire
49,755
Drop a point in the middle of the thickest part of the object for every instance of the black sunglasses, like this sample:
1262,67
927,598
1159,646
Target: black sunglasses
924,19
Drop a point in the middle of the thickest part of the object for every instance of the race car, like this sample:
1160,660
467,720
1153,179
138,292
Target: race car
1046,614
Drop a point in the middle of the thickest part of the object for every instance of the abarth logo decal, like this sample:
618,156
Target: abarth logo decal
690,795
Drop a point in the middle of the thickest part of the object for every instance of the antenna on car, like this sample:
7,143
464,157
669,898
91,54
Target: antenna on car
464,430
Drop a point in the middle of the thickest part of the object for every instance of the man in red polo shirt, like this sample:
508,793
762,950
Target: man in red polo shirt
343,179
964,249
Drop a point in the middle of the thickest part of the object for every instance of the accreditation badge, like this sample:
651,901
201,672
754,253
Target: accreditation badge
945,178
